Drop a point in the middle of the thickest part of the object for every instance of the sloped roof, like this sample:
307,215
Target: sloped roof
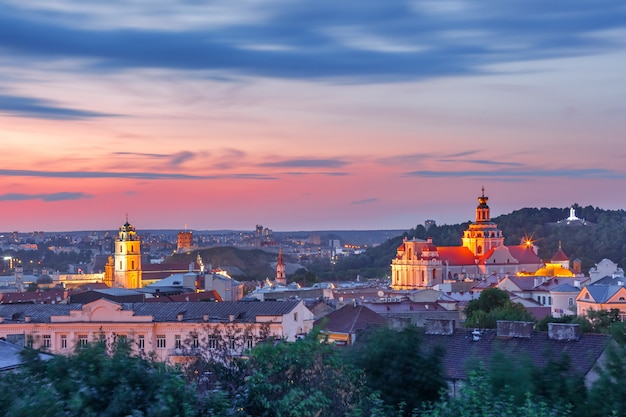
456,255
602,293
160,311
10,356
461,352
559,255
349,319
34,297
524,254
565,288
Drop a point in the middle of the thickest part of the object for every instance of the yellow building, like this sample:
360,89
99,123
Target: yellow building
127,260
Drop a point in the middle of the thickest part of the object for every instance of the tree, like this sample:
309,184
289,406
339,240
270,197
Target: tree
477,399
492,305
301,379
98,380
396,366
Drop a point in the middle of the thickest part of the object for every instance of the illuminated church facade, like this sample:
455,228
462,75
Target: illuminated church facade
421,264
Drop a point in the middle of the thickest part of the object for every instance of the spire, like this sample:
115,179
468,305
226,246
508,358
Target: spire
281,279
482,211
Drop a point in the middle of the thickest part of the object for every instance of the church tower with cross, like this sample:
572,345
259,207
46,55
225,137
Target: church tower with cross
127,258
482,235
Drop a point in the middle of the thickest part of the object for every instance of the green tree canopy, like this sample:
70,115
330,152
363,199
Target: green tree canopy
396,366
492,305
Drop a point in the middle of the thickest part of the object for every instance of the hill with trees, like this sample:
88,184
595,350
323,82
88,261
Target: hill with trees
249,264
603,236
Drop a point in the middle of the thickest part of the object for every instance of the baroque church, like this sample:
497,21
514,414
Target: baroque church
421,264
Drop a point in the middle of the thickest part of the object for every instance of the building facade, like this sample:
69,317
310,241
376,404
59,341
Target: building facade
127,258
170,331
421,264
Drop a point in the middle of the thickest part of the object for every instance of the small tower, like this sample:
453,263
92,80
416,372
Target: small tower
281,279
127,272
483,234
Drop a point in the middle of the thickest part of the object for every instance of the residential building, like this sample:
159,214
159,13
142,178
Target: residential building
164,329
466,347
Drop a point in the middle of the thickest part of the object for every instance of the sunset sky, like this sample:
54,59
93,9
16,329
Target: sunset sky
306,115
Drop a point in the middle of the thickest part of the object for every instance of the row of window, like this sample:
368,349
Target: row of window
161,342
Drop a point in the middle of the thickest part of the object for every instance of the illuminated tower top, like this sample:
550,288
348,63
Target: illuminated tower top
482,211
127,232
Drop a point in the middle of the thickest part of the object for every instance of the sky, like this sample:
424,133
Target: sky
300,115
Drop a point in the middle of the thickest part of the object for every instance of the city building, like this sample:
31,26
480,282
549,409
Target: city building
184,241
421,264
124,268
519,341
162,329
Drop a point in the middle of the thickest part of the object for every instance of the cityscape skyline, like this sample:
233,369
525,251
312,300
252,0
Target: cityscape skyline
321,116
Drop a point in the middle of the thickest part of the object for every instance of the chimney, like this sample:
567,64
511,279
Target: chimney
180,316
205,317
231,318
576,283
26,319
522,329
439,326
563,331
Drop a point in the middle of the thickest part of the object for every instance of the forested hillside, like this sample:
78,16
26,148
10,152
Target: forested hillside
245,264
603,236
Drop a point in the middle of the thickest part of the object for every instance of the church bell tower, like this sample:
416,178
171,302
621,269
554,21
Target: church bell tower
127,272
483,234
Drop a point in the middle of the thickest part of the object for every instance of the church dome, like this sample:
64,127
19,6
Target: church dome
553,271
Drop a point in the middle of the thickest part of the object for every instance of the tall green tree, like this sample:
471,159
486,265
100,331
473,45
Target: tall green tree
304,378
395,366
492,305
96,381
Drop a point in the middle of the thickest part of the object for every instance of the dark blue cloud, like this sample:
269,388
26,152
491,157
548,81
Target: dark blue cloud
45,197
357,40
32,107
128,175
508,174
175,159
305,163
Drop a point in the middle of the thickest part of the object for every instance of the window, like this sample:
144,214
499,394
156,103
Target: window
295,316
132,264
83,340
570,301
47,342
195,343
249,342
160,342
212,342
549,300
29,341
63,341
178,344
141,342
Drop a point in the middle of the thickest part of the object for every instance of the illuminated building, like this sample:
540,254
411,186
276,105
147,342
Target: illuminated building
127,260
421,264
185,240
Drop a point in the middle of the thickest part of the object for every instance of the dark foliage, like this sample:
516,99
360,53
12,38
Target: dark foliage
397,368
